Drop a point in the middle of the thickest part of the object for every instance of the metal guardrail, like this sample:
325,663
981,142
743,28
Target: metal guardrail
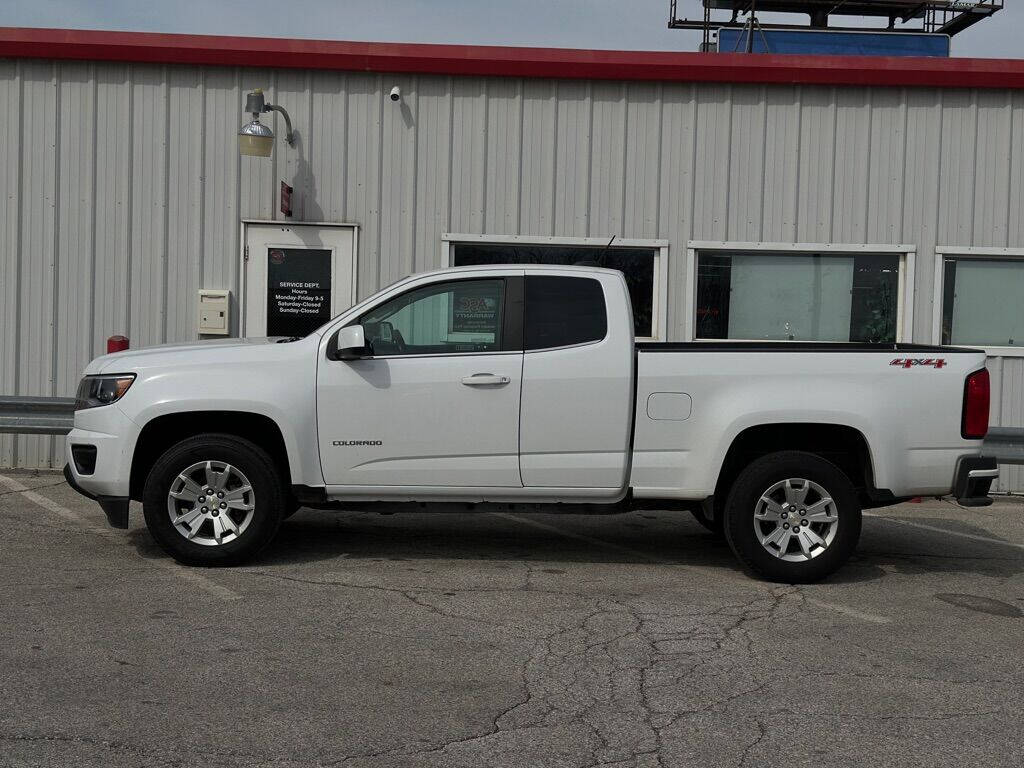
56,416
1006,444
37,415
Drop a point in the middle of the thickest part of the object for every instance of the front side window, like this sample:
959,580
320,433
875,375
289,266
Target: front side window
562,311
636,264
445,318
797,296
981,302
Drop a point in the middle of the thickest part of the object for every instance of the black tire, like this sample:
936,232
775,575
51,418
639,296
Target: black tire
269,499
744,498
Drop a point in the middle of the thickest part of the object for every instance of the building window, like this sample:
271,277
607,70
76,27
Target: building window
640,264
797,296
981,301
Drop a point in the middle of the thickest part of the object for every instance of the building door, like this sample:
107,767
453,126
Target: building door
297,277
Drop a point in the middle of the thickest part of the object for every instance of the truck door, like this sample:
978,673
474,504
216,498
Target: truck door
577,403
437,404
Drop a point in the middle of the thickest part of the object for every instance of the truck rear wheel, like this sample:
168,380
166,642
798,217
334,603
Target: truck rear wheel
792,517
213,500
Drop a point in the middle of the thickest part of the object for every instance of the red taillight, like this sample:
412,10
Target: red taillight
976,403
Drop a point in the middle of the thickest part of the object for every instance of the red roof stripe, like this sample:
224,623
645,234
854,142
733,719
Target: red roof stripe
216,50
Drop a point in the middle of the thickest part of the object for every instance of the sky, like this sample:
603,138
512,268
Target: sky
622,24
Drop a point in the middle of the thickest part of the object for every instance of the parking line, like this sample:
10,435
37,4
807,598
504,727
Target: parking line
936,529
843,609
872,618
189,574
611,546
71,516
582,537
52,506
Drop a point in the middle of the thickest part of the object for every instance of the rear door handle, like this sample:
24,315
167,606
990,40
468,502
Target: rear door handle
485,380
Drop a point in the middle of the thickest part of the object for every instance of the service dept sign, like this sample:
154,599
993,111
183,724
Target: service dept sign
298,290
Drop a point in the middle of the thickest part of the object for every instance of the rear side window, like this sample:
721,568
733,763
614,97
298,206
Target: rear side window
561,311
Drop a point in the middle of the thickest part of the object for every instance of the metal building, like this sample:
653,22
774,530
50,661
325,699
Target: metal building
771,197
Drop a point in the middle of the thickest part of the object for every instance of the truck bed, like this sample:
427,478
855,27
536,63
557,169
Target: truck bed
903,401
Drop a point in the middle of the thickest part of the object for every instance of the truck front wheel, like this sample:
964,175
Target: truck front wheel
213,500
792,517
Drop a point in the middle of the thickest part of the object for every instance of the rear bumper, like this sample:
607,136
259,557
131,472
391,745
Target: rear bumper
114,507
974,478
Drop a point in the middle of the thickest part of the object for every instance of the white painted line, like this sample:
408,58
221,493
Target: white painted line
582,537
190,575
734,578
52,506
71,516
737,579
946,531
872,618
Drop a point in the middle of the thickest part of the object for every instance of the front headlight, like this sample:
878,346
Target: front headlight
95,391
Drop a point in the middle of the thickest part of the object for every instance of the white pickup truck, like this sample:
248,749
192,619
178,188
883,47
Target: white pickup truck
522,385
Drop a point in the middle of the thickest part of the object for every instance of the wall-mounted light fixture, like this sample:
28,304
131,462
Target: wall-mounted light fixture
255,138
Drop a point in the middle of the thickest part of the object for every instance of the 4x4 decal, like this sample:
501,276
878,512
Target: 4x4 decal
910,362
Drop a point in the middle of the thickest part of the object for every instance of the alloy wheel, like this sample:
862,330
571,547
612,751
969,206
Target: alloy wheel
211,503
795,519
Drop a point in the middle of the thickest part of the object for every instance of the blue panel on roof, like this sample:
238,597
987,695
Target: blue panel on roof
732,39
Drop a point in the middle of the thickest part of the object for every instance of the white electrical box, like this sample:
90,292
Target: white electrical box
213,312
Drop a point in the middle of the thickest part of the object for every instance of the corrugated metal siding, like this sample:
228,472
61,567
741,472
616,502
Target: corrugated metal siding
124,188
10,231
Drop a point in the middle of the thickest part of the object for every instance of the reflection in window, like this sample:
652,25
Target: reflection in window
981,302
797,296
637,264
458,316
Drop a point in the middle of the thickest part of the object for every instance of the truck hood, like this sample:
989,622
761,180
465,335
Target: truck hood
189,352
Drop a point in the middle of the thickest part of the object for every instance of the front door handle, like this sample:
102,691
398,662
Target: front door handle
485,380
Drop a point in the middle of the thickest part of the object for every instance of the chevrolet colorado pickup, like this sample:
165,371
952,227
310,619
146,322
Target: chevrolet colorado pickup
501,386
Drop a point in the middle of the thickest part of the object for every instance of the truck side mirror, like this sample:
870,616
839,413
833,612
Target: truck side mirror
349,343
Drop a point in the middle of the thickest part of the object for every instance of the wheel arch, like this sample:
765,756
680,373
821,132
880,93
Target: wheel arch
843,445
163,431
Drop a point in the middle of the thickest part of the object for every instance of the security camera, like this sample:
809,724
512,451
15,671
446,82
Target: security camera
396,93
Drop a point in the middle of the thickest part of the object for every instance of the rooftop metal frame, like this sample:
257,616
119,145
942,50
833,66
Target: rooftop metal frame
941,17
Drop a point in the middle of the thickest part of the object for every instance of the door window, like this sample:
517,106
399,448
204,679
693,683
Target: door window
562,311
445,318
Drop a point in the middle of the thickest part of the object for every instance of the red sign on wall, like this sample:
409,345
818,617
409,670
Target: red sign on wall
286,199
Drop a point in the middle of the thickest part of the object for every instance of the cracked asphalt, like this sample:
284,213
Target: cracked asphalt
475,640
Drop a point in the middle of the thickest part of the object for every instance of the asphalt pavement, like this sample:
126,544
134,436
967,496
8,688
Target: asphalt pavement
414,640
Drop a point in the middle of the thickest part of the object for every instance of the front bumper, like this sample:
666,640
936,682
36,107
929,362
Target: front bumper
99,452
974,478
114,507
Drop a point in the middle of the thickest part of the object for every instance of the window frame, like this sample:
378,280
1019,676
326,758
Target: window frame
659,298
980,253
905,289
